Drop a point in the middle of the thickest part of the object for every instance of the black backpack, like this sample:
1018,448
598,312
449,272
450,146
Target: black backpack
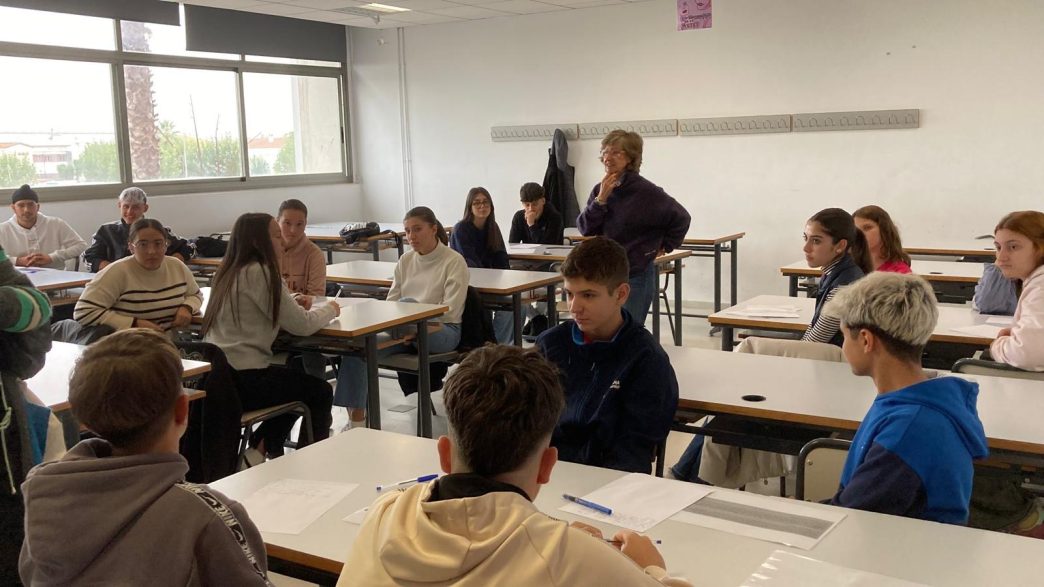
211,246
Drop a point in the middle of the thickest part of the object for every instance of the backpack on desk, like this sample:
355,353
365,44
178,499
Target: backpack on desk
210,246
353,233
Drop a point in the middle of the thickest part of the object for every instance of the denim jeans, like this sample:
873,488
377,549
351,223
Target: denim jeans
504,326
351,378
688,466
643,291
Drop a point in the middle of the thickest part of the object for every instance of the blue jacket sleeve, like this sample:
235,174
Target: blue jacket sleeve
462,240
884,483
995,294
650,401
592,217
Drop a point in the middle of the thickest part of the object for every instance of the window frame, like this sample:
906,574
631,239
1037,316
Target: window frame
118,59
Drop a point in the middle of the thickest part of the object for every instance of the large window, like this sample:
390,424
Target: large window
293,124
56,123
80,109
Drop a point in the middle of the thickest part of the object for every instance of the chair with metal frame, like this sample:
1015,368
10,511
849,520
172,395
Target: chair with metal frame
819,467
254,417
995,369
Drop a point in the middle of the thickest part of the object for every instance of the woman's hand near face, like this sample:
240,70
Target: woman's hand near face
608,185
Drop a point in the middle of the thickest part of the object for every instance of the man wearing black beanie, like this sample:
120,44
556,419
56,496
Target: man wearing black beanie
35,240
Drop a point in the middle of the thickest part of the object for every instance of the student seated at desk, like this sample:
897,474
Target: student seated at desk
303,266
116,509
34,240
430,273
478,239
995,293
110,242
621,391
912,454
536,223
1019,238
145,290
249,304
831,242
882,240
477,525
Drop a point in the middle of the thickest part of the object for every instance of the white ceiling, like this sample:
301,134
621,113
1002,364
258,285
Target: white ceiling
421,12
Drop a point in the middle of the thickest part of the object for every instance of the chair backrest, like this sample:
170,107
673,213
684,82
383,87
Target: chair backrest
995,369
476,323
819,468
779,347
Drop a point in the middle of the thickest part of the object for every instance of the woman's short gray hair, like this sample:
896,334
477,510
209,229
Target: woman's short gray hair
900,306
134,195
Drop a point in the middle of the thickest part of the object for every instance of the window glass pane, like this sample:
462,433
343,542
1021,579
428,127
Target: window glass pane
162,39
61,132
293,124
54,28
287,61
183,123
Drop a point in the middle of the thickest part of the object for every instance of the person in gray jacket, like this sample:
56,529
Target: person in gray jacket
116,509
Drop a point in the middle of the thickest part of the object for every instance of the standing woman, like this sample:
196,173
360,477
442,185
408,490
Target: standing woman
478,239
1019,239
636,213
430,273
146,290
248,305
833,242
882,240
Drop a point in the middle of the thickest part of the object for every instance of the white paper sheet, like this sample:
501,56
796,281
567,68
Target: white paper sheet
981,330
522,248
357,516
788,522
288,506
786,569
765,312
639,501
1002,321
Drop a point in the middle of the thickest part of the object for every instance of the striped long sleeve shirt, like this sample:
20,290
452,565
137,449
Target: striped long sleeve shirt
125,290
22,306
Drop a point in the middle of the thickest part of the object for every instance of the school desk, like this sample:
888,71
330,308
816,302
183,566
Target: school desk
558,253
950,317
915,550
60,286
494,285
935,272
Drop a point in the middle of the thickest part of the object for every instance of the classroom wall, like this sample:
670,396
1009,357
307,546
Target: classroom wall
969,66
192,215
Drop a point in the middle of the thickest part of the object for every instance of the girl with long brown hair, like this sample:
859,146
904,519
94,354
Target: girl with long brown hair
882,239
478,239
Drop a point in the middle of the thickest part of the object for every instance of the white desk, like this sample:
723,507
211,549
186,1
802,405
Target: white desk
915,550
56,283
327,235
827,394
558,254
932,271
361,320
492,284
51,384
969,247
950,317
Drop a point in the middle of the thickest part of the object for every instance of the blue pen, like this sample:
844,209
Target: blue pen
588,504
421,479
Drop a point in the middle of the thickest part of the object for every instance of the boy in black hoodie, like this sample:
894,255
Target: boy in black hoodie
621,392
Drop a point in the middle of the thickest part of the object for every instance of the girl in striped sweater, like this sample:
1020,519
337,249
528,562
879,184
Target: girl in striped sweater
146,290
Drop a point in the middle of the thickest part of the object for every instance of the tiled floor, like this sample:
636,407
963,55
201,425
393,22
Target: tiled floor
695,334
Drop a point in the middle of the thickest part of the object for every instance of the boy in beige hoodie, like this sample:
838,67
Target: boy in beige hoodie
477,525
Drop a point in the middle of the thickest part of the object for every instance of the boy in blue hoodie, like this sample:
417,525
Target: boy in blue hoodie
912,455
621,391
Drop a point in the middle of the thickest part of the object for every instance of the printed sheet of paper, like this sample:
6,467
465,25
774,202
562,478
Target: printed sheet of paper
786,569
981,330
1002,321
788,522
765,312
357,516
639,501
288,506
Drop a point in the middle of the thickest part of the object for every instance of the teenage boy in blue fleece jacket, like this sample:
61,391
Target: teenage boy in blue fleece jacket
912,455
621,392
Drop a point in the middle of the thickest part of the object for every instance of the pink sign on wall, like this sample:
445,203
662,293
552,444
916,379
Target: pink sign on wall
694,14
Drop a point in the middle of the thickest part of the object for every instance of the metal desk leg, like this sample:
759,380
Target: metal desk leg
329,255
733,278
552,307
373,389
656,307
717,277
726,338
375,248
677,303
423,382
516,316
398,245
793,289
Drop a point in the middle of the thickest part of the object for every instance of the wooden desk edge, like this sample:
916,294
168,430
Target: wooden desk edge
933,251
425,315
310,561
744,322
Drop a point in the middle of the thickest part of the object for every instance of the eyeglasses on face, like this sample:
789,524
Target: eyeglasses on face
150,245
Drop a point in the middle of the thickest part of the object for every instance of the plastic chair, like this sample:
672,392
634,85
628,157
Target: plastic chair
995,369
820,463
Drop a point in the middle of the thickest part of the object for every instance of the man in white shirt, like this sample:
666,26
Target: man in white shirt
35,240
